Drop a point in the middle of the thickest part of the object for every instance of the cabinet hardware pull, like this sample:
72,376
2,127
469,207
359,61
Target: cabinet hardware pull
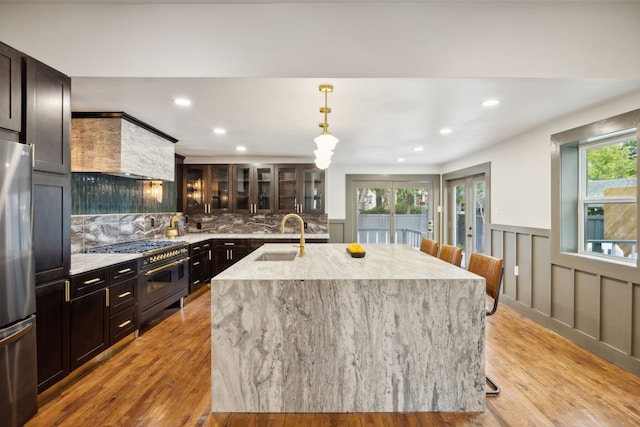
126,270
67,296
164,267
107,289
196,249
229,244
126,294
92,281
195,282
196,263
209,254
123,324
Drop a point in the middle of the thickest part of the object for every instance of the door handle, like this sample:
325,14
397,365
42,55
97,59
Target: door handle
16,336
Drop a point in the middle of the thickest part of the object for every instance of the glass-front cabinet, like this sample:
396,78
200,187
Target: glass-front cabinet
206,188
300,188
253,188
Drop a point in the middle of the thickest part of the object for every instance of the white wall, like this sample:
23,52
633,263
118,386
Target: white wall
521,166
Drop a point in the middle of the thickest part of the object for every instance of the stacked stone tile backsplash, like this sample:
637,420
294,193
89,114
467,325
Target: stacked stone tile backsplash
89,231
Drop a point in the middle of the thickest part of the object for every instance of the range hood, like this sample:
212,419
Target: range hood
116,143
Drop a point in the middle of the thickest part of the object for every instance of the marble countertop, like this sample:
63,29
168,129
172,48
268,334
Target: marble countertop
324,261
81,263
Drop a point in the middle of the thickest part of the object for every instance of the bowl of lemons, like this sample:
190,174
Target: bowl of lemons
355,250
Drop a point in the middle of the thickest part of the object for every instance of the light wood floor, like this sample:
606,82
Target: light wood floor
163,379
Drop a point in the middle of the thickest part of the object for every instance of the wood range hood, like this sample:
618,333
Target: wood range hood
116,143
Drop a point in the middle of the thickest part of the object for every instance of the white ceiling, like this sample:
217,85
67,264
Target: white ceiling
378,116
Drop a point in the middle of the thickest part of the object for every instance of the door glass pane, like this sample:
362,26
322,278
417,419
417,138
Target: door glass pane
242,187
313,190
459,215
264,188
373,210
479,204
287,196
195,194
220,187
411,215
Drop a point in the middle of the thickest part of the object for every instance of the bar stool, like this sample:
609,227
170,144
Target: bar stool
429,246
451,254
492,270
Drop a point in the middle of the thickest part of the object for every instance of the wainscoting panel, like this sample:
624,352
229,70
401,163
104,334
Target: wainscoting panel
587,315
581,302
540,274
562,286
336,231
523,261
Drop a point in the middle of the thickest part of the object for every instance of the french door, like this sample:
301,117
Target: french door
468,215
394,212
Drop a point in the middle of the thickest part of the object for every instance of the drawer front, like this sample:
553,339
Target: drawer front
86,283
122,295
124,271
123,323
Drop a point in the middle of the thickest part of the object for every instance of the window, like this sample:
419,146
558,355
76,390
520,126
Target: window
608,193
595,192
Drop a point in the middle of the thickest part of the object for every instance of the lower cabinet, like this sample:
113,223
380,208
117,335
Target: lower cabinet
52,332
104,309
200,265
228,252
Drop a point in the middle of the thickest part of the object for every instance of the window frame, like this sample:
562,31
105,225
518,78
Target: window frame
583,198
564,239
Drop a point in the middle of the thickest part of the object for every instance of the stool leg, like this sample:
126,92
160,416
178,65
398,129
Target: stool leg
494,390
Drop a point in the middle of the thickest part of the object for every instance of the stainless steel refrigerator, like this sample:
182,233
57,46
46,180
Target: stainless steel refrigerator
18,364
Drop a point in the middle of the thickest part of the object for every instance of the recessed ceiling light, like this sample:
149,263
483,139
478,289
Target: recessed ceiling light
241,148
445,131
401,159
418,149
183,102
490,103
219,131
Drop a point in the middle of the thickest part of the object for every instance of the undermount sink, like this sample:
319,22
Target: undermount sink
277,256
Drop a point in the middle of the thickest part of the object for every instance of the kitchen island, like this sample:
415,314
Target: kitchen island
394,331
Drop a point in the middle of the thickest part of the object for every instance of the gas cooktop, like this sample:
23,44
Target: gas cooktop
137,247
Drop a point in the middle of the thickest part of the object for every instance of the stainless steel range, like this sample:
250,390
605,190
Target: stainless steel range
163,272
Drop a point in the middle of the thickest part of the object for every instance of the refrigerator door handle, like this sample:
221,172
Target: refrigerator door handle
16,336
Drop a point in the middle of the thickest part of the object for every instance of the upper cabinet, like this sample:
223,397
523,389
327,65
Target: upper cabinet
253,189
300,188
206,188
10,89
48,117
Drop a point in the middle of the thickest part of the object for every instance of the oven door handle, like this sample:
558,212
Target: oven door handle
164,267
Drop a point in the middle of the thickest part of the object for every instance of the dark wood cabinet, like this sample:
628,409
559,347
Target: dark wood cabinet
52,331
51,226
88,316
10,89
228,252
123,301
253,189
206,188
299,188
47,116
200,263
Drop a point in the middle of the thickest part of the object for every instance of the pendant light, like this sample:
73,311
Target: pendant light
326,142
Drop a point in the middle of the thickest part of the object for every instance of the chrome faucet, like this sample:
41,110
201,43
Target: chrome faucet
292,215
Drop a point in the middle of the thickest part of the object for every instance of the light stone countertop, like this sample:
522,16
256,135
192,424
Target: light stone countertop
331,261
81,263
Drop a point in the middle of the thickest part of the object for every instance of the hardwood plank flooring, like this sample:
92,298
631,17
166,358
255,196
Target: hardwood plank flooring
163,378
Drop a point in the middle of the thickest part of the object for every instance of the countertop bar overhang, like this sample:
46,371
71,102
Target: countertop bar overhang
395,331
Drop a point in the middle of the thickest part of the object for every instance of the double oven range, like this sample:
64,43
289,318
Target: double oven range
163,272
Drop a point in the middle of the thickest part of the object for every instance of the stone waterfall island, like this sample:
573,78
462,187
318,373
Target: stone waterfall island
394,331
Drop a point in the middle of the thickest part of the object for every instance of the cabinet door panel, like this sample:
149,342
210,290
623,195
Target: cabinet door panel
10,89
48,117
51,226
52,330
89,327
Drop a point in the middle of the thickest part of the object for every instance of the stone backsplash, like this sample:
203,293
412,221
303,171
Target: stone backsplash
89,231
